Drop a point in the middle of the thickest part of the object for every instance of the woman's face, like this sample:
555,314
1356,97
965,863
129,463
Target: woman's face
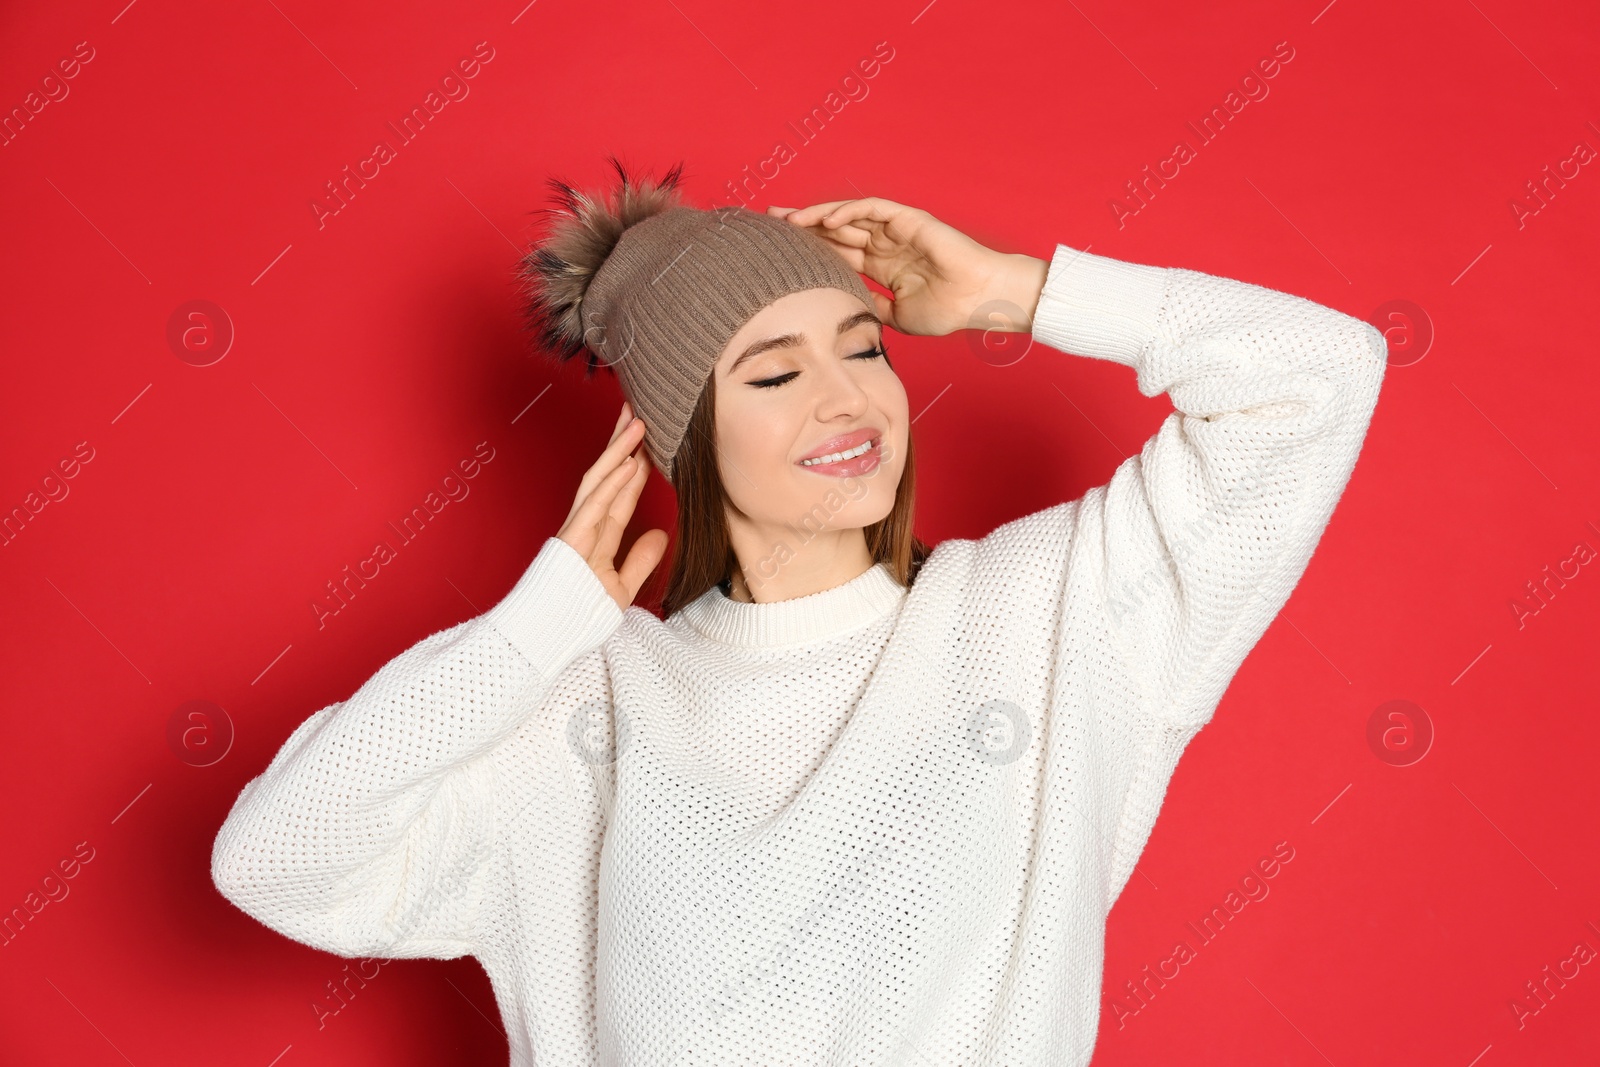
802,379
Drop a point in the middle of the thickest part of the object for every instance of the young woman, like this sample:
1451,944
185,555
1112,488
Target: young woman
849,801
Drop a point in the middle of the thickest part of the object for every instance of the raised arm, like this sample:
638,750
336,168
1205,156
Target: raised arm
1194,544
1198,541
1157,584
371,831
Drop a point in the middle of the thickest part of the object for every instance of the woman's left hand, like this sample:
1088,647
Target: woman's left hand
939,276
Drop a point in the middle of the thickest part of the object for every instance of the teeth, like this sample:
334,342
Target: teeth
835,457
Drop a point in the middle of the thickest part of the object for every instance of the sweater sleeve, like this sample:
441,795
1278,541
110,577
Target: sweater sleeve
371,832
1116,621
1200,538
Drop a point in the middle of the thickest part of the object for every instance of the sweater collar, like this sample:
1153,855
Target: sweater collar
864,599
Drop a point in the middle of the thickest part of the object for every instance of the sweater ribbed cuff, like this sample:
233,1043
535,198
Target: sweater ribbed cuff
557,611
1097,306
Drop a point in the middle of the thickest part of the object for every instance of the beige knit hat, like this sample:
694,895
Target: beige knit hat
655,290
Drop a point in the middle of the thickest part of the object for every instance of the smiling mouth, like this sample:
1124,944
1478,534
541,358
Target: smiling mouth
841,457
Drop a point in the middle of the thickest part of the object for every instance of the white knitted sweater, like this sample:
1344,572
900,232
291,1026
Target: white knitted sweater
865,826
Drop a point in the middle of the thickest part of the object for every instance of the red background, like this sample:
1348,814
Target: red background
373,352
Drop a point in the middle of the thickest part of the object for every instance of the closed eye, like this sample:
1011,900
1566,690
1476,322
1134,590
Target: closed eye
784,379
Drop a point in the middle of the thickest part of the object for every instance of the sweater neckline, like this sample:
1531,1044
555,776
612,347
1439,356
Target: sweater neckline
818,616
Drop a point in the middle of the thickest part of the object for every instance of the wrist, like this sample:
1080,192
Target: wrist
1013,295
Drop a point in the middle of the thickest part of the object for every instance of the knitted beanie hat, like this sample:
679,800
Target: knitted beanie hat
655,290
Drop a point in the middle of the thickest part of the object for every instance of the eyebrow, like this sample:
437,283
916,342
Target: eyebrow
795,340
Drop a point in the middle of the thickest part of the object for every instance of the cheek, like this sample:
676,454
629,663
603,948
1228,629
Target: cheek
894,403
753,445
888,393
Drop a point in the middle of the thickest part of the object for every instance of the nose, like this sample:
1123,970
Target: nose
840,394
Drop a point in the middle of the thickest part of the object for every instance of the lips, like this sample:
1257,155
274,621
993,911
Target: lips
842,443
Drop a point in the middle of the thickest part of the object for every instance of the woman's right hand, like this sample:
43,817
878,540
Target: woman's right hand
603,506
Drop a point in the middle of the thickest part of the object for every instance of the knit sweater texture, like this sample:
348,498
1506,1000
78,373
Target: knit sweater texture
868,826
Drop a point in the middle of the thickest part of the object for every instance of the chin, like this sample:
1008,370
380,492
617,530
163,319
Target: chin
837,507
858,514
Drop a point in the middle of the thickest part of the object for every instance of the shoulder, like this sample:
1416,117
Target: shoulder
637,624
1029,549
642,631
996,595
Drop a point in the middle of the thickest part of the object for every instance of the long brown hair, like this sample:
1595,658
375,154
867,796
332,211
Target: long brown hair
703,556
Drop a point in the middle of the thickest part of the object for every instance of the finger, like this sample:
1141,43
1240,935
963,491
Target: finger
849,242
865,211
592,514
622,420
622,505
620,509
855,256
807,216
607,461
586,508
853,235
643,557
885,309
856,235
613,524
621,444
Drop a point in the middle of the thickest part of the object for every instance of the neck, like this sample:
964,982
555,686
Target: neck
766,575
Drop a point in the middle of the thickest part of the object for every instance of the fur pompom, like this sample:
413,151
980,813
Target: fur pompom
555,273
